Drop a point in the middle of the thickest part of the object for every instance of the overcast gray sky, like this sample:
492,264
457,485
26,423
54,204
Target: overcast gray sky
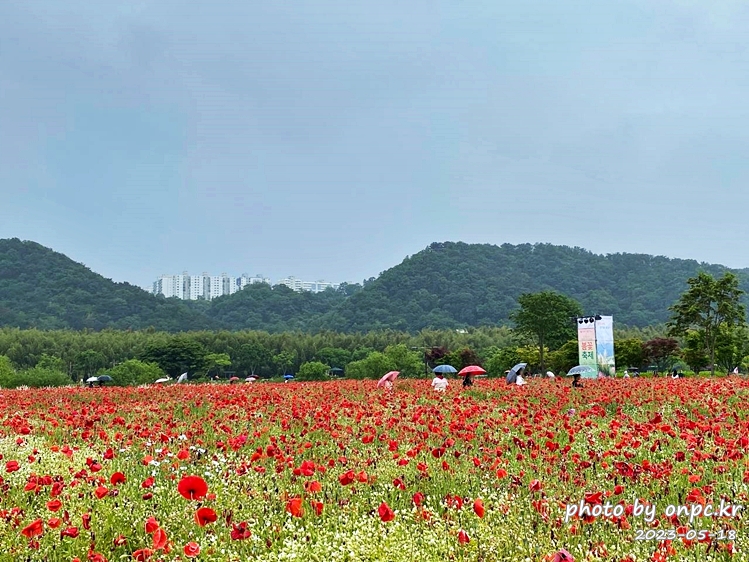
329,139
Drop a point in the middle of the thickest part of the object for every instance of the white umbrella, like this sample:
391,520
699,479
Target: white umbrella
92,379
182,377
158,381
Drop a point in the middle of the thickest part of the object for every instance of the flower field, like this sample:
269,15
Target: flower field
339,471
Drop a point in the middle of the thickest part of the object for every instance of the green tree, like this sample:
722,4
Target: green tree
313,371
253,357
373,366
564,358
216,362
708,305
409,363
88,362
693,353
502,360
283,361
333,356
545,318
629,353
134,372
177,356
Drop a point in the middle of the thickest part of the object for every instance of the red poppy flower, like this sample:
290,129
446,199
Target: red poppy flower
100,492
192,549
86,520
418,499
192,487
71,532
385,512
534,486
117,478
294,506
159,539
12,466
313,486
120,540
147,483
143,554
33,529
463,537
54,522
54,505
478,507
347,478
317,506
151,525
240,532
184,454
205,515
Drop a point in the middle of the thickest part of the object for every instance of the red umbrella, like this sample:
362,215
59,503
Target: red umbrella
472,369
388,378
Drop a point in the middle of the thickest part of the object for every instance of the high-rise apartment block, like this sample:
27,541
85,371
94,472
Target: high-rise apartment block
203,287
207,287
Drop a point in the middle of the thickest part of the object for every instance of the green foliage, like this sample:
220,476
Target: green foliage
252,358
693,353
7,372
445,287
51,363
45,289
374,366
313,371
283,362
334,356
409,363
177,356
629,352
502,360
709,306
564,358
35,377
546,319
216,362
134,372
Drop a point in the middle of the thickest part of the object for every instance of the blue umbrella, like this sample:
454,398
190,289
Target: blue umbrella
512,375
288,376
580,370
445,369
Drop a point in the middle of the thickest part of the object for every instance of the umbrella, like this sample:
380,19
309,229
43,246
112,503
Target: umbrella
472,370
512,374
182,377
92,379
288,376
445,369
388,377
105,378
582,370
159,381
250,379
234,379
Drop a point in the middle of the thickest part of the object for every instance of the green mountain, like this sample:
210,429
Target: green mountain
447,285
452,285
44,289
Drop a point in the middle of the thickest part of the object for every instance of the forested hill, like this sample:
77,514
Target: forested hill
47,290
456,284
447,285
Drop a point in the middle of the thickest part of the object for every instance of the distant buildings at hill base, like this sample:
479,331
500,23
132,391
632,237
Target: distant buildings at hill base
208,287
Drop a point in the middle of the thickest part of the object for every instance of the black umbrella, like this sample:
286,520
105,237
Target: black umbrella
105,378
512,376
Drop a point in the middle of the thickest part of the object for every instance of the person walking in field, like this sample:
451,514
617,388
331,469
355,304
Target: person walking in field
440,383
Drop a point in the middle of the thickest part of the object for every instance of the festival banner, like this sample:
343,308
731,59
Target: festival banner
586,341
605,345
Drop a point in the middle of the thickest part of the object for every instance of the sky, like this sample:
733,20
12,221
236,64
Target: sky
330,139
